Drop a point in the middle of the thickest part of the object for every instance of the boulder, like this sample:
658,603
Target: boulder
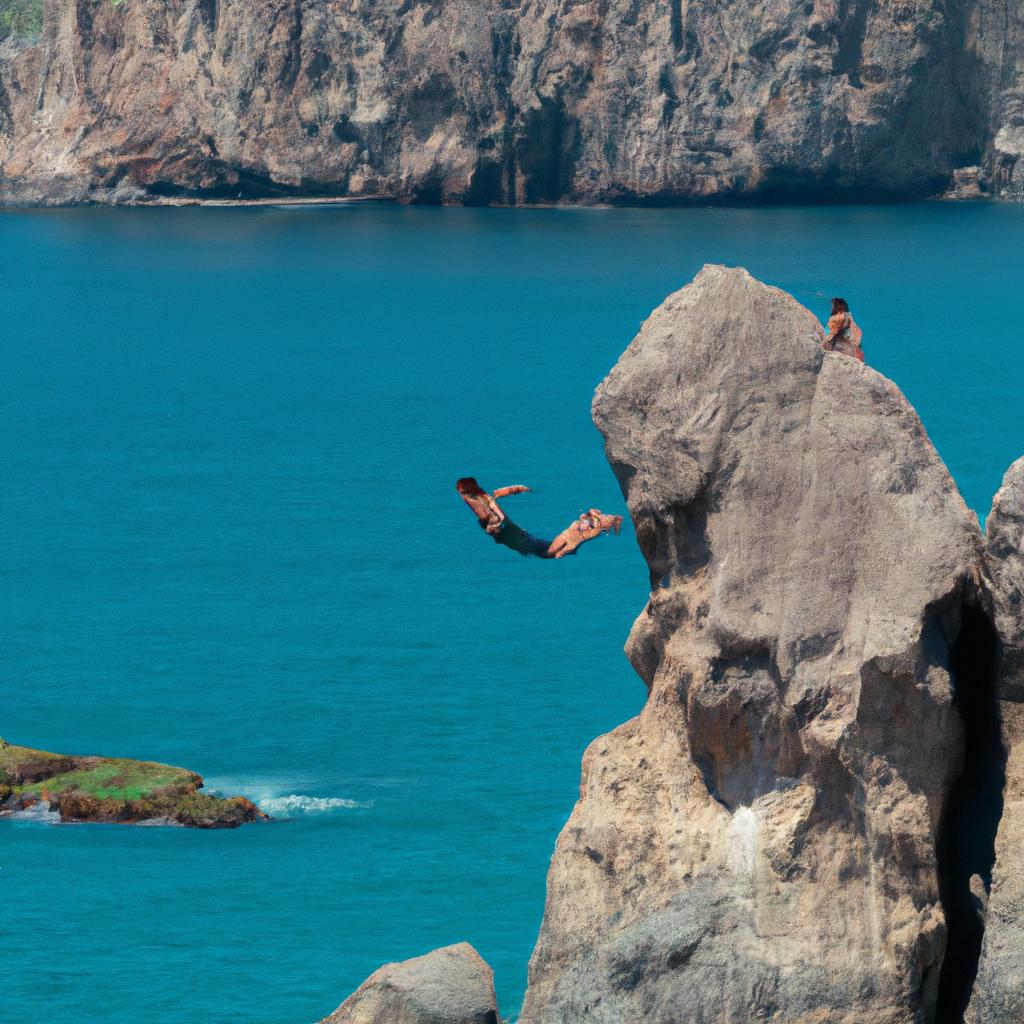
452,985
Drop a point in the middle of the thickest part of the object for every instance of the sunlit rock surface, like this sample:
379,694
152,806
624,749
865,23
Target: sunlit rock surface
513,101
452,985
775,836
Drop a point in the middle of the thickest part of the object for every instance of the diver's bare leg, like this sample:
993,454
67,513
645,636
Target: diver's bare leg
572,537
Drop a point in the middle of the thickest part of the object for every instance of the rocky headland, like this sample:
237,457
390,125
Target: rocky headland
509,101
817,817
107,789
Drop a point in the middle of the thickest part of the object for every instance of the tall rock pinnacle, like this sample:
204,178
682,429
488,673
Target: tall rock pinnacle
775,837
817,818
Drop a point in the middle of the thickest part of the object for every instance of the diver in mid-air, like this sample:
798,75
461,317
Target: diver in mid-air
492,519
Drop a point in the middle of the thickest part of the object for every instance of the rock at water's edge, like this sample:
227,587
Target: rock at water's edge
452,985
108,789
760,843
513,102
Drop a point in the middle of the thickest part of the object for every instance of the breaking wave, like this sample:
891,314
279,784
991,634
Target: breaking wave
38,814
295,805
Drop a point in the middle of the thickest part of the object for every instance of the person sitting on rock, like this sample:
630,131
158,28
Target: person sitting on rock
492,519
844,336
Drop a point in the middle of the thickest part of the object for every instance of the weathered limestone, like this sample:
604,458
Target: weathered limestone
452,985
807,823
760,843
999,989
513,101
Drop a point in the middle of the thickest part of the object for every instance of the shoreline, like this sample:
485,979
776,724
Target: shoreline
266,201
682,203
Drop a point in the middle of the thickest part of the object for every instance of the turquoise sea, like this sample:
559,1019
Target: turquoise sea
231,541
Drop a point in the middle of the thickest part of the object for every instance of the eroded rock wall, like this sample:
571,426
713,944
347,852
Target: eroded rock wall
999,989
994,32
511,101
252,97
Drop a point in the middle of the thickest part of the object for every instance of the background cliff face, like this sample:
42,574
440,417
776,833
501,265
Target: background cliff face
510,101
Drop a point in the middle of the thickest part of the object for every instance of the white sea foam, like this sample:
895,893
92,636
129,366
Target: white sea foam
295,805
38,814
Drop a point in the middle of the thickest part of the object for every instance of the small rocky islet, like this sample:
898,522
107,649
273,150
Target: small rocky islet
113,790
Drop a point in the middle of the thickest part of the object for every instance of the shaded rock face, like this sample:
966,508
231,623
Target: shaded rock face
999,989
778,835
512,101
452,985
994,33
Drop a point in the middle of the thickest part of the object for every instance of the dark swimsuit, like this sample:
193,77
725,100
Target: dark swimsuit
516,538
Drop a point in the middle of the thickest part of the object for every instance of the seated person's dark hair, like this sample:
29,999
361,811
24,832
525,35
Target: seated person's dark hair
840,306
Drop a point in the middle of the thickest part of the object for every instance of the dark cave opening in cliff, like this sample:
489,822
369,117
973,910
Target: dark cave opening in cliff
966,840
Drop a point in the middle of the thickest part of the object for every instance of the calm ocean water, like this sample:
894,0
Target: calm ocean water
231,542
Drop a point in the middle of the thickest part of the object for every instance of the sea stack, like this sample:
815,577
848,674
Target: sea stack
818,815
779,835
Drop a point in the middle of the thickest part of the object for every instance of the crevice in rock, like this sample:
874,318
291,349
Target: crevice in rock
676,20
673,540
504,50
853,19
547,149
6,117
743,738
966,838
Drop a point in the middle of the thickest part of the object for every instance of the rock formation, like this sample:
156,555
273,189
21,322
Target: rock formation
799,825
817,818
511,101
452,985
999,989
107,789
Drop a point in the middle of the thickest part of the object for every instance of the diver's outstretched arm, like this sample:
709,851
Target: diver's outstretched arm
504,492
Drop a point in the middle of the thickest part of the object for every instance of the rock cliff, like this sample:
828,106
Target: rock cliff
511,101
800,825
817,818
999,989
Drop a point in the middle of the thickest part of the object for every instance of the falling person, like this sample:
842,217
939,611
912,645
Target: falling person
491,517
